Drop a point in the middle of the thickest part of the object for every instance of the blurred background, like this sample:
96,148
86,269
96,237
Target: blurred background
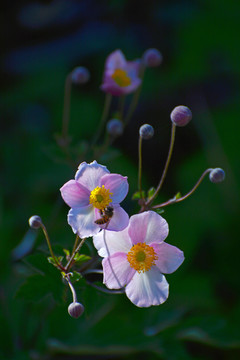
42,41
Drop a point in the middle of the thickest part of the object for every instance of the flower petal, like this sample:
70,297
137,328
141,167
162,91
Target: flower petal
120,219
149,288
116,60
110,242
89,175
169,257
75,194
117,271
82,221
148,227
117,184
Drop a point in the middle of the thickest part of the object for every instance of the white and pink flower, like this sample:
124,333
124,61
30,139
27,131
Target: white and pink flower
121,77
137,257
92,190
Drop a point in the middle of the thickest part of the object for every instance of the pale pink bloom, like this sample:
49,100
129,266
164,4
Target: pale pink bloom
92,190
120,77
137,257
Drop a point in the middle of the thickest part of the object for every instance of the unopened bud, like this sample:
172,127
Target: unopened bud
146,131
75,309
152,58
181,115
217,175
115,127
35,222
80,75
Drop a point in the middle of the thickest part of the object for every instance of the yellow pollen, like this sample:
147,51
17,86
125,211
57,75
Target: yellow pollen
121,78
100,197
141,257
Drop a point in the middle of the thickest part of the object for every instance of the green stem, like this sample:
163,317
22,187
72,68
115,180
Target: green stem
50,247
103,120
173,131
174,200
68,266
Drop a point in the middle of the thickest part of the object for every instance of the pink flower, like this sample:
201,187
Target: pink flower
92,191
120,76
137,257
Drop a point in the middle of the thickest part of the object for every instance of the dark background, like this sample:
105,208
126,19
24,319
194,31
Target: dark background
41,43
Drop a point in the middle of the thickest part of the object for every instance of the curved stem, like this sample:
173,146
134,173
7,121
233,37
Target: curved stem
175,200
173,131
67,267
74,295
50,247
106,109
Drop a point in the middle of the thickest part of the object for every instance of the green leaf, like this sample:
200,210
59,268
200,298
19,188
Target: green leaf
137,195
159,211
81,258
76,276
151,192
52,261
66,252
178,195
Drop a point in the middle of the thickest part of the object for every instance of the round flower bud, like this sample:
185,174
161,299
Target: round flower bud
181,115
152,58
115,127
80,75
35,222
146,131
217,175
75,309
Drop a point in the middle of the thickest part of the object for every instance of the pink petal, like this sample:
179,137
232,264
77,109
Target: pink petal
89,175
116,60
117,184
117,271
148,227
120,219
147,289
169,257
109,242
75,194
82,221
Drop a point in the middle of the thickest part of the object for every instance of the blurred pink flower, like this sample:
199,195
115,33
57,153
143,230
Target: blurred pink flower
137,257
92,190
120,76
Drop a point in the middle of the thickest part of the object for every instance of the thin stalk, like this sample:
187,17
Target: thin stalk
140,166
74,295
173,131
103,120
174,200
73,254
50,247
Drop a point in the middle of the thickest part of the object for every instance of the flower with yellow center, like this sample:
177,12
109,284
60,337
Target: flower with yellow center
121,77
141,257
100,197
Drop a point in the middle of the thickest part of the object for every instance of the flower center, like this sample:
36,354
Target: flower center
141,257
121,78
100,197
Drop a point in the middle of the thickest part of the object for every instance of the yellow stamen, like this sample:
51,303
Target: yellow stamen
121,78
141,257
100,197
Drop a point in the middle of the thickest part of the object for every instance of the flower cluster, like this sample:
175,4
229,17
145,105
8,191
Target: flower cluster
135,254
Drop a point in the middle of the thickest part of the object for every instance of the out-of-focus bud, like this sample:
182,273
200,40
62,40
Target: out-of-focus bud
217,175
146,131
115,127
80,75
75,309
35,222
181,115
152,58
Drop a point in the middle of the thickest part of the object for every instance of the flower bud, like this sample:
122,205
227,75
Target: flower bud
181,115
152,58
75,309
35,222
115,127
146,131
217,175
80,75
